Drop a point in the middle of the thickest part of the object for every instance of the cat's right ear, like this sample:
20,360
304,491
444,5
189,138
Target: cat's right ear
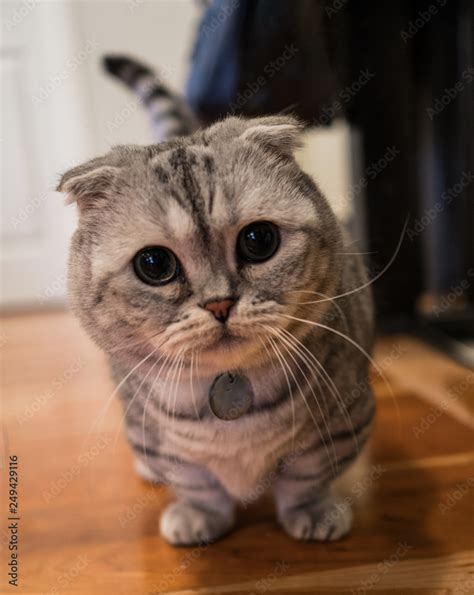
279,133
89,184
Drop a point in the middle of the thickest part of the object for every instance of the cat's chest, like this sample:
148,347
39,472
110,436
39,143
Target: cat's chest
239,452
226,396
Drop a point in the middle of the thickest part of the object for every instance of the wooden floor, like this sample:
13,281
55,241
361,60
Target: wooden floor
89,524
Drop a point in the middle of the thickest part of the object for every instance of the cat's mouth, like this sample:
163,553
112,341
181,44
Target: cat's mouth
227,348
220,347
228,339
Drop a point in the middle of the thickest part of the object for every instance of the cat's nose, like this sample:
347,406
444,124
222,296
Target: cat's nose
219,307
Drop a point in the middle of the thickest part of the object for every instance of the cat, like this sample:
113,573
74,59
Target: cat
214,253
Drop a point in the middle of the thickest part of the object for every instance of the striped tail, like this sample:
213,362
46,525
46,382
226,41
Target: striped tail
169,113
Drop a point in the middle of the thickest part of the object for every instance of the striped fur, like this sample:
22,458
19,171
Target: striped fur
313,407
170,115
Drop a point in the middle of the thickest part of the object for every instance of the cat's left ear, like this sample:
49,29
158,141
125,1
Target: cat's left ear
89,184
280,133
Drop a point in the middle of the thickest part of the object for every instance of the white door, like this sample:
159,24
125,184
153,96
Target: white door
39,139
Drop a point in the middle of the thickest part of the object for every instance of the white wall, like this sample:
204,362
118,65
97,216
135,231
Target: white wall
59,109
41,94
160,32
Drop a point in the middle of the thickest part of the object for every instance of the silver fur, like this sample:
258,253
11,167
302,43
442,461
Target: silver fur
193,195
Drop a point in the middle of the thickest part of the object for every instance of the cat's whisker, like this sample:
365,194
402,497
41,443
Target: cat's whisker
124,415
328,298
310,365
265,334
354,253
316,425
98,419
374,279
191,383
170,376
328,381
180,369
290,390
295,361
140,342
146,404
361,350
173,389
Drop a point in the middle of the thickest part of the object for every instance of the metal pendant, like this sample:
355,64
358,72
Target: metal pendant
230,396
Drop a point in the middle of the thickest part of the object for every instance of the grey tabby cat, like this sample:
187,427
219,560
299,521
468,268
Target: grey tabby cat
215,253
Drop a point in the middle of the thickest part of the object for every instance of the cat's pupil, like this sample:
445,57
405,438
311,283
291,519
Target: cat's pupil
156,265
258,241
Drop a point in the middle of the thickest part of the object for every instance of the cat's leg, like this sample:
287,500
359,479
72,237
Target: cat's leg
146,472
203,511
306,506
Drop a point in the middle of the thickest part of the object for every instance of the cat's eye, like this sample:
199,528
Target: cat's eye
156,265
258,241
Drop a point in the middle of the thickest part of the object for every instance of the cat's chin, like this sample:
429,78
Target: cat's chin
229,342
230,352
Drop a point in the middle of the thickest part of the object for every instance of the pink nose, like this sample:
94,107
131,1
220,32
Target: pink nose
220,308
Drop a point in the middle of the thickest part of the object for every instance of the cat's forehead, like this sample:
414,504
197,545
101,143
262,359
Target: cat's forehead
207,188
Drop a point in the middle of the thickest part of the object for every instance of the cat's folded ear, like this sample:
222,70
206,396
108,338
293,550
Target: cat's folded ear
280,133
89,184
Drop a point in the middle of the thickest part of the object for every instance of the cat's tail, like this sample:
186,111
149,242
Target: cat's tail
170,115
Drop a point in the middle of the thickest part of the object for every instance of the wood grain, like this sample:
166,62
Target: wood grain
89,524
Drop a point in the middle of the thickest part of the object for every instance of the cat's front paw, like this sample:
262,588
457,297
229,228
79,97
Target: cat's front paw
323,521
182,523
